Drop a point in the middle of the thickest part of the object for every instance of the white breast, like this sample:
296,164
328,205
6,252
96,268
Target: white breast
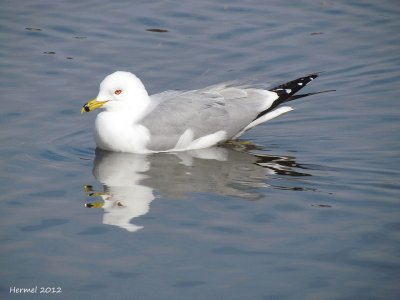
116,132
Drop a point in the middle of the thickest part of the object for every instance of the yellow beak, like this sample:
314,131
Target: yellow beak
92,105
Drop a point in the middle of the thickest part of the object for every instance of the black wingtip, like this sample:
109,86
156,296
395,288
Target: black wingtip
287,90
308,94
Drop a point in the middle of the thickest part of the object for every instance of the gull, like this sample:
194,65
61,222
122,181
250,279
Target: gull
134,121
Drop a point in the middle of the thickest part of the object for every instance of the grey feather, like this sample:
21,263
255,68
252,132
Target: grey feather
206,111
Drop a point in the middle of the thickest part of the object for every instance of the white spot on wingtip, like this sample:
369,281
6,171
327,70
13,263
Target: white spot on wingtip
288,91
300,83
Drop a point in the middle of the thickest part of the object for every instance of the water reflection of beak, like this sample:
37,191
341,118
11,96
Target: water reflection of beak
98,204
98,194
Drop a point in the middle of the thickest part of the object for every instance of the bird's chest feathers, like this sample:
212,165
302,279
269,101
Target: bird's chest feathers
116,132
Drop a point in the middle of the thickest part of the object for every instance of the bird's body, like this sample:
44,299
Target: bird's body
133,121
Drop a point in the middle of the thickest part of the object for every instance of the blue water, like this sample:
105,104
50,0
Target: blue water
306,207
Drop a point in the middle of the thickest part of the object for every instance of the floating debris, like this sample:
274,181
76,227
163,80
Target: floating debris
316,33
69,57
33,29
157,30
322,205
80,37
49,52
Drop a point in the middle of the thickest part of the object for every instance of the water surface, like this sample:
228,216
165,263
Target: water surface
305,207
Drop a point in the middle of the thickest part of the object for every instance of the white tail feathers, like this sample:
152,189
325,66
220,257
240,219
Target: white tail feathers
269,116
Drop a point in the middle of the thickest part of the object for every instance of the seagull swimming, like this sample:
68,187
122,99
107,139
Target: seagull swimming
133,121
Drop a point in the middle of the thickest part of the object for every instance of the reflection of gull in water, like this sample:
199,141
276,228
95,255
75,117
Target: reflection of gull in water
129,179
124,197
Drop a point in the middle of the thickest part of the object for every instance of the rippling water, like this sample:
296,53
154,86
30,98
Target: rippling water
304,207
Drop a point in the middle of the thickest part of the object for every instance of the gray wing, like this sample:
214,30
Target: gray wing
206,111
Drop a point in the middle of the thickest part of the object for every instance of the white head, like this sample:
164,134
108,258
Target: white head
120,91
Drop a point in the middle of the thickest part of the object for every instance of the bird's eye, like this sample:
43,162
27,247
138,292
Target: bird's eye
117,92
